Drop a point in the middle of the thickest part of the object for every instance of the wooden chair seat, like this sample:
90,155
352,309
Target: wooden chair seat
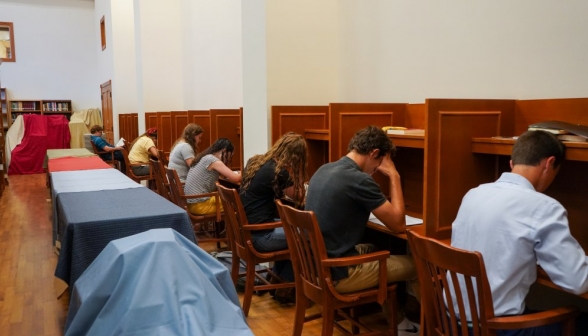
436,263
311,263
239,234
208,228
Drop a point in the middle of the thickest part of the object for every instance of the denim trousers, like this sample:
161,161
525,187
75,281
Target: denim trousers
274,240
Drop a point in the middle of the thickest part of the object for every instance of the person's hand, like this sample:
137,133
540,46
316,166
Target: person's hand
387,167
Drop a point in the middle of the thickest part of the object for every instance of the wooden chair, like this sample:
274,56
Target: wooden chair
161,181
204,232
131,175
111,161
311,263
436,262
239,233
162,157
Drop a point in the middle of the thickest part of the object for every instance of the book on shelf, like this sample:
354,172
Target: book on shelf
406,131
560,127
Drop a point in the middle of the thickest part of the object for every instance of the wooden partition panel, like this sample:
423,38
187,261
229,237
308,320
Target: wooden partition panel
298,119
150,121
415,116
572,110
310,121
348,118
164,130
202,118
227,124
179,120
451,169
128,126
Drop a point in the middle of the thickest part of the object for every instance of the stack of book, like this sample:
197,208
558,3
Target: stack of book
399,130
563,130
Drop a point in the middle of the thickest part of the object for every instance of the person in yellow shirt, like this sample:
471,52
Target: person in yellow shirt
142,147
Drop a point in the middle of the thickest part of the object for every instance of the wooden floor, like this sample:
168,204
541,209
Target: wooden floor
28,305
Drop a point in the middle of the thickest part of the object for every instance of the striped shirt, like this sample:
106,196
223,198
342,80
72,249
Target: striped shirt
200,180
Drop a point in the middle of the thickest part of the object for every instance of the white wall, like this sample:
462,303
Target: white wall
408,51
55,49
212,55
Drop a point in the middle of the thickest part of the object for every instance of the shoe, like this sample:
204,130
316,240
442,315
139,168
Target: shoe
285,295
407,328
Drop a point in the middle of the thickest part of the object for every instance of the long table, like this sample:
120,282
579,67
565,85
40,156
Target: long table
84,181
90,220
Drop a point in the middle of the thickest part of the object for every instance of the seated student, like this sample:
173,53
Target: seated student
142,147
516,227
204,172
102,145
184,150
343,193
281,171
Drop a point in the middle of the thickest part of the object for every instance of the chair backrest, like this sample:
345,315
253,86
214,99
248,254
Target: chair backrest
128,166
175,187
304,235
162,157
160,179
235,218
442,270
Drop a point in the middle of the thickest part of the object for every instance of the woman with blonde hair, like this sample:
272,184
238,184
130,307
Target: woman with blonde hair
184,150
281,171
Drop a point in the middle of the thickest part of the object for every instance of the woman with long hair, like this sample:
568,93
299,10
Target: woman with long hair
142,147
184,150
204,172
281,171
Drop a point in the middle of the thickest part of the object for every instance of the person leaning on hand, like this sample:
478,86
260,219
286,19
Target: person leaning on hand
343,193
104,146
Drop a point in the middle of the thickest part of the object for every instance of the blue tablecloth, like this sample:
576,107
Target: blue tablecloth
85,180
90,220
155,283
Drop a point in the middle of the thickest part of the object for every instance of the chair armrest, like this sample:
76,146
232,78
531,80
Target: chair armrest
535,319
356,260
264,226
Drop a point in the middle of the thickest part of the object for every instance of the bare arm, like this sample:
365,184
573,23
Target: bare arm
111,149
189,161
225,171
153,151
392,213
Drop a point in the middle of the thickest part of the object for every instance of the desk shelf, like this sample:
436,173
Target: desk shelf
409,141
575,151
316,134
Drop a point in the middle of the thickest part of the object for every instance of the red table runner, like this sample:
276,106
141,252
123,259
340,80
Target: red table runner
76,163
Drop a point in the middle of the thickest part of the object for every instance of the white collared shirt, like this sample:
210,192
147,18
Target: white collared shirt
517,228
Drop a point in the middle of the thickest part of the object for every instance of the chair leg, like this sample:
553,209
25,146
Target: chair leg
301,305
235,267
353,314
328,321
391,305
249,283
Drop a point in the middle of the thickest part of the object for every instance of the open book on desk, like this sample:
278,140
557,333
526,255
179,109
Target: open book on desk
409,220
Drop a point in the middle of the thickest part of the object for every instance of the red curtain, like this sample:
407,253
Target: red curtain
41,132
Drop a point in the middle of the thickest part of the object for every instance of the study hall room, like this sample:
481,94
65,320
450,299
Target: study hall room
84,234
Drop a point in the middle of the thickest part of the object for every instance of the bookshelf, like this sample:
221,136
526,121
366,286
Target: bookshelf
4,108
42,107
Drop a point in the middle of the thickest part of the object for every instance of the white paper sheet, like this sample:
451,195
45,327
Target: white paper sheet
409,220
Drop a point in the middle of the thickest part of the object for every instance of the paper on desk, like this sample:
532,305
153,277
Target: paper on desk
409,220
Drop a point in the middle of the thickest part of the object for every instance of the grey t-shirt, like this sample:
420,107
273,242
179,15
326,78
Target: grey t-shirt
177,159
200,180
342,197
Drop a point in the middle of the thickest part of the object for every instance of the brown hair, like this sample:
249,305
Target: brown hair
190,131
289,152
96,128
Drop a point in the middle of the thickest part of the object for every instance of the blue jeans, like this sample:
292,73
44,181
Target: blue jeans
274,240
